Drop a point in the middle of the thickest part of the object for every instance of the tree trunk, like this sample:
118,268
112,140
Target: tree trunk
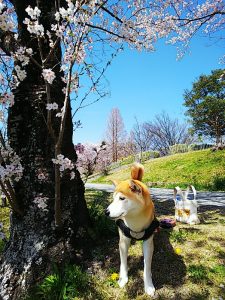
35,243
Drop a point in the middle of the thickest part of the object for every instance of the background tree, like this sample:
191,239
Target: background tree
130,147
115,134
166,131
142,137
104,161
205,104
90,157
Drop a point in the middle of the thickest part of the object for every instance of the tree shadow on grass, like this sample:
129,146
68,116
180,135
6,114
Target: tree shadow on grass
209,214
168,268
164,207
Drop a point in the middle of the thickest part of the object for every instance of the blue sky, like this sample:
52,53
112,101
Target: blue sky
144,84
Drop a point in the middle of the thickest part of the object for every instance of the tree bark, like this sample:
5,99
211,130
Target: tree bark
35,243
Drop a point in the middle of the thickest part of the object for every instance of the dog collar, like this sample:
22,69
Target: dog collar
142,235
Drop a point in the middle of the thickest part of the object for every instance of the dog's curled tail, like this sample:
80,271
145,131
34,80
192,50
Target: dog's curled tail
137,171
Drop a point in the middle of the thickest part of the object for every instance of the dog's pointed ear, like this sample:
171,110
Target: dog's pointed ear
135,188
115,182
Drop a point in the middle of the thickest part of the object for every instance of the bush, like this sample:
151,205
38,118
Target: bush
178,236
150,155
2,245
102,225
126,160
132,158
61,285
197,273
218,182
201,146
180,148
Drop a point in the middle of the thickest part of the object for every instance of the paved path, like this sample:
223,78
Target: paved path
203,198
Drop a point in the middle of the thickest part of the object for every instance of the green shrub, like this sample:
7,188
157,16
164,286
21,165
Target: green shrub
132,158
149,155
197,273
218,182
101,224
126,160
219,270
196,147
2,245
180,148
97,204
61,285
179,236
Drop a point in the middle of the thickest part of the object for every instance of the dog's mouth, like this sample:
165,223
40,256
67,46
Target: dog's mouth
115,218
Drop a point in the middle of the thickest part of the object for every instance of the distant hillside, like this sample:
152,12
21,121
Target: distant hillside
204,169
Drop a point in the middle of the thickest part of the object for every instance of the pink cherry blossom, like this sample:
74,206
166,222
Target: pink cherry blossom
33,13
52,106
48,75
64,164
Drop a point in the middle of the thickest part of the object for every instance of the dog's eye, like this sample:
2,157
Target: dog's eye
122,198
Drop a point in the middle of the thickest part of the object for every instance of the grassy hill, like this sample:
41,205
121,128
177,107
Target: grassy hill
204,169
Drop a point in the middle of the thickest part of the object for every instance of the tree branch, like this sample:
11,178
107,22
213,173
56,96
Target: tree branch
7,42
49,112
105,30
207,17
111,14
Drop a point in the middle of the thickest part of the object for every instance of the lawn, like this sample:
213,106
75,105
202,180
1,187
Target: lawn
204,169
188,261
4,220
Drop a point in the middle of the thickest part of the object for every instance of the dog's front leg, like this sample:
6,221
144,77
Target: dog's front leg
124,244
148,248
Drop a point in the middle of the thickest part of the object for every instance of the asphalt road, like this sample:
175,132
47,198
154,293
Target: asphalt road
203,198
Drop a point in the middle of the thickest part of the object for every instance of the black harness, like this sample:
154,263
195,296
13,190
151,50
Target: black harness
142,235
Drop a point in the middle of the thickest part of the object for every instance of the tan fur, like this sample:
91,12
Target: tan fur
137,212
125,187
137,171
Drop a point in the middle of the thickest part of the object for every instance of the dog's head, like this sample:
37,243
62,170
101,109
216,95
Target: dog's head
131,197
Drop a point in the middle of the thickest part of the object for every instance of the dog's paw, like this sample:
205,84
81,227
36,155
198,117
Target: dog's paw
122,281
150,290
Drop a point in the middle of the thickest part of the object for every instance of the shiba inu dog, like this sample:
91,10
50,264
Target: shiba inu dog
133,210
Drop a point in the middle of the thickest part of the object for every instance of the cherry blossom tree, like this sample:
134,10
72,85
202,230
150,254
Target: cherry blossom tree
90,158
54,55
104,161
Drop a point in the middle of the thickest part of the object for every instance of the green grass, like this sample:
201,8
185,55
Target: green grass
204,169
196,272
66,284
4,219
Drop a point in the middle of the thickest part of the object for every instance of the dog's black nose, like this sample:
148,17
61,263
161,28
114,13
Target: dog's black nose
107,212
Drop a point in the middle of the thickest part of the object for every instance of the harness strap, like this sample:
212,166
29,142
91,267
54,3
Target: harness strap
142,235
